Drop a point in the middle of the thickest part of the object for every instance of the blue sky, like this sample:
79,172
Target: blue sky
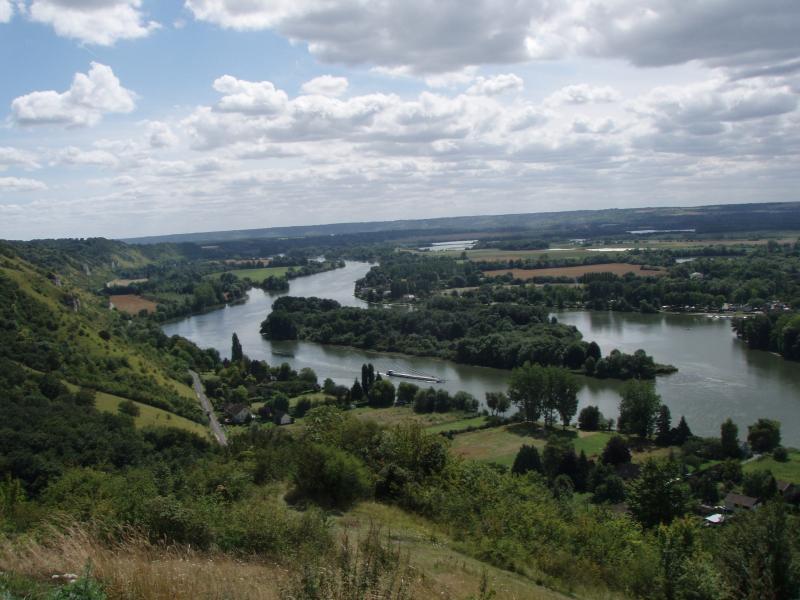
131,117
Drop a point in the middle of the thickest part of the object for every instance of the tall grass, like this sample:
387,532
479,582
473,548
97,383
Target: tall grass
133,568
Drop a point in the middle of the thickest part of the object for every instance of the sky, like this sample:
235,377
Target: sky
124,118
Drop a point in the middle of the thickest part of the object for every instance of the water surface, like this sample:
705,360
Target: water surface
718,376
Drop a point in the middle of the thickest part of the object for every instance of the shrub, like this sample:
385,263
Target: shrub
128,407
780,454
331,477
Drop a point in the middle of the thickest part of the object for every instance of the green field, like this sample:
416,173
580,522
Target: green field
459,425
785,471
149,416
255,274
501,444
397,415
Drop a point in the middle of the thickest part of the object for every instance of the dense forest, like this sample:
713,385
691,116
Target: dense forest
501,335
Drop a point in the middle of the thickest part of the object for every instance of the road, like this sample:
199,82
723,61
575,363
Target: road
216,428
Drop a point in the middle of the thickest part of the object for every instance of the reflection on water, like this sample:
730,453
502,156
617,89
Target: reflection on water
718,376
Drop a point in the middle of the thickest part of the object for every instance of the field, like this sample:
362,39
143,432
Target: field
785,471
396,415
124,282
501,444
577,271
149,416
255,274
132,304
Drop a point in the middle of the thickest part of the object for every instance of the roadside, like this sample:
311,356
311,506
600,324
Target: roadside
216,428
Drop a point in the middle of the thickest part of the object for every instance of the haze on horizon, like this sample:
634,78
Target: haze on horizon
131,118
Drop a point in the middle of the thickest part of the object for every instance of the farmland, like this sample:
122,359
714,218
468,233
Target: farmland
255,274
577,271
132,304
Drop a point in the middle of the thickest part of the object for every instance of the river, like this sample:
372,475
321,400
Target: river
718,376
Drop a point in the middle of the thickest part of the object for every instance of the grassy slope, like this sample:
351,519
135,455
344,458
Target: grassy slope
404,414
785,471
149,416
80,330
444,571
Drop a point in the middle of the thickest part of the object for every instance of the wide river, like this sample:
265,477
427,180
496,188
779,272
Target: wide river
718,376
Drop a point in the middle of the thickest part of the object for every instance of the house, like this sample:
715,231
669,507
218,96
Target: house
715,519
740,502
238,414
785,489
283,419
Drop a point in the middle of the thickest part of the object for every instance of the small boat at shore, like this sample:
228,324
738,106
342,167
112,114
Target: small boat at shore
279,353
415,376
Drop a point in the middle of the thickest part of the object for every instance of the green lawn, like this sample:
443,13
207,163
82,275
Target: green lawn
255,274
785,471
457,425
501,444
396,415
148,415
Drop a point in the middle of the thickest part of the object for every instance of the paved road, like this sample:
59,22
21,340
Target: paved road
216,428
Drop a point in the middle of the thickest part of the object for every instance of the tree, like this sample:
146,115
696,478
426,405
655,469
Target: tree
331,476
236,349
575,355
406,392
563,393
593,351
755,555
590,365
638,408
528,390
381,394
356,392
764,435
129,407
681,433
729,437
559,457
759,484
527,459
663,425
308,375
589,419
85,397
279,326
328,386
616,452
658,495
279,402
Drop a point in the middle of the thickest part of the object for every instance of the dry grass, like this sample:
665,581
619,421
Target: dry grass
134,569
132,303
576,271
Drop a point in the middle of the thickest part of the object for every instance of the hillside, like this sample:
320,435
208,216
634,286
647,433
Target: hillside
50,323
582,223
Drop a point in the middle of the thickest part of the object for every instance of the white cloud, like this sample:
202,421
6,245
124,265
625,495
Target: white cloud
18,184
499,84
160,134
6,11
100,22
254,97
326,85
77,157
90,96
584,94
422,37
13,157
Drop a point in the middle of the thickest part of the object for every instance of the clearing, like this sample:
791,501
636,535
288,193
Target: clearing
577,271
785,471
501,444
132,304
397,415
258,275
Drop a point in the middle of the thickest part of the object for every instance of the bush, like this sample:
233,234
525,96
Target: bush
780,454
128,407
331,477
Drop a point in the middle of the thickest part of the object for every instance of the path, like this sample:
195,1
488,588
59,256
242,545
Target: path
216,428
